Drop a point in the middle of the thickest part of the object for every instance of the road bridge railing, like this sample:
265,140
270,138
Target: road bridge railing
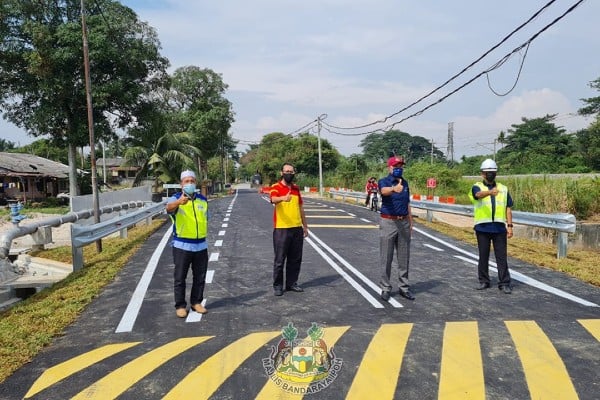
562,223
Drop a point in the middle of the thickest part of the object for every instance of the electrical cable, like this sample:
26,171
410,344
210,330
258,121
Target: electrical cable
493,67
534,16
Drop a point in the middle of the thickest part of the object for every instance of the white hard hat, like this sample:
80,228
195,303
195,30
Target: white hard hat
489,165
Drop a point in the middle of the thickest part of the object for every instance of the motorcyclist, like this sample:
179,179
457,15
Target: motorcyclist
370,187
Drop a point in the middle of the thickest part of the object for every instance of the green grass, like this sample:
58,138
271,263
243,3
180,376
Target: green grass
31,325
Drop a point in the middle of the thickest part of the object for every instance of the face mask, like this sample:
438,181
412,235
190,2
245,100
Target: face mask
397,172
288,178
189,189
490,176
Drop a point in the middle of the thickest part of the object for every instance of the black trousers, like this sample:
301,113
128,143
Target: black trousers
199,263
484,241
287,243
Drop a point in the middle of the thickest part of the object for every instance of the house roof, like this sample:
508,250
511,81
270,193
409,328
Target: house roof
21,164
112,162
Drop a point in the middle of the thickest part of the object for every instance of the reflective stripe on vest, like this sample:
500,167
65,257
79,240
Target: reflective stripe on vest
482,208
190,221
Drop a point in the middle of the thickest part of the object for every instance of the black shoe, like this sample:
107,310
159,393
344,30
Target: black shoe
483,286
407,294
385,295
278,291
506,289
294,288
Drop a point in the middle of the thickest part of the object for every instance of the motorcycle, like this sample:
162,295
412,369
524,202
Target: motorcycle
373,201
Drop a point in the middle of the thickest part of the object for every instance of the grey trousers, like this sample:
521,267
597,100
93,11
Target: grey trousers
394,236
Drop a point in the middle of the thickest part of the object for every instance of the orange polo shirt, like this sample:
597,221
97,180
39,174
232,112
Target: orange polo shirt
286,213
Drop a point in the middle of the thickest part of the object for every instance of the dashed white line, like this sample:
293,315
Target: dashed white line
193,316
225,219
366,220
218,243
210,274
432,247
214,257
224,225
221,233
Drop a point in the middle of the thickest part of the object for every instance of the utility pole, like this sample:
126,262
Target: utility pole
495,149
431,151
451,141
322,116
90,115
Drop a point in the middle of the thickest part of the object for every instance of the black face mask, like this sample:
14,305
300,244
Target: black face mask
490,176
288,178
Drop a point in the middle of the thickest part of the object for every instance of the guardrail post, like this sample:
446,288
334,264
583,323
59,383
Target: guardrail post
561,242
429,215
123,232
77,253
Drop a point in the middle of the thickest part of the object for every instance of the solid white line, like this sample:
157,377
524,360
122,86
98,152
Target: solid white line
225,219
221,233
366,220
356,272
214,257
517,275
432,247
210,274
218,243
193,316
133,308
224,225
347,277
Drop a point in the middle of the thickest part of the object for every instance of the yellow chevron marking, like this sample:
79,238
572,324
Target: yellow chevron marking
76,364
592,325
378,372
546,375
461,375
330,216
121,379
271,391
203,381
344,226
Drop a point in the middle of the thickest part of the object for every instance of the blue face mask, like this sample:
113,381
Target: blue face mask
397,172
189,189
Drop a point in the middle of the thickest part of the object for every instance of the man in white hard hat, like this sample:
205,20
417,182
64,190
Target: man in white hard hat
493,224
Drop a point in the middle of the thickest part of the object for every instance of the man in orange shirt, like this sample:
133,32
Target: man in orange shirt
289,231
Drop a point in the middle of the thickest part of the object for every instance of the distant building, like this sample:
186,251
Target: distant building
26,177
117,172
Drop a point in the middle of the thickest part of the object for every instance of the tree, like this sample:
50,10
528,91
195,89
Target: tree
196,98
588,141
592,103
380,146
6,145
536,146
42,85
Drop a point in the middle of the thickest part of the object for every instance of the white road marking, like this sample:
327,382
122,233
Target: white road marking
218,243
224,225
516,275
228,215
221,233
193,316
345,275
432,247
352,215
356,272
133,308
214,257
225,219
366,220
210,274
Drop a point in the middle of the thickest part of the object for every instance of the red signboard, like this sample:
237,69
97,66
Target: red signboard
431,183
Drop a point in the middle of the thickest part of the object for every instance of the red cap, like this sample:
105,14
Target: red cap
394,160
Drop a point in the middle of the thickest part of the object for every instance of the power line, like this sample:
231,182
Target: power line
534,16
493,67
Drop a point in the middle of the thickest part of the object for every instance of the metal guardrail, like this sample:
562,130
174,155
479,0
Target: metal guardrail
84,235
561,222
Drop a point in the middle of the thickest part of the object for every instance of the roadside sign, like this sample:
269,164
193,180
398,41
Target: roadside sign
431,183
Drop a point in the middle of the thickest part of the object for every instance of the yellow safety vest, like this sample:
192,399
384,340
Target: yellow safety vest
482,208
190,222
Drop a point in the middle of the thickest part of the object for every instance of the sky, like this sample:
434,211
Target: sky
357,62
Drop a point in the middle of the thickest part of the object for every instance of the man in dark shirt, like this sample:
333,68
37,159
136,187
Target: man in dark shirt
395,228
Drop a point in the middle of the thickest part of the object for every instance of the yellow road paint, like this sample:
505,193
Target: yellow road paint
546,375
76,364
271,391
121,379
344,226
461,372
378,372
203,381
592,325
330,216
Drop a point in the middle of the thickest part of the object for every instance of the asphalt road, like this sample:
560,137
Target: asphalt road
453,342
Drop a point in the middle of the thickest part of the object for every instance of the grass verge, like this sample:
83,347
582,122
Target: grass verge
581,264
32,324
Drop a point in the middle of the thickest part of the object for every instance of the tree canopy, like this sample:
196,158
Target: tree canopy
379,146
